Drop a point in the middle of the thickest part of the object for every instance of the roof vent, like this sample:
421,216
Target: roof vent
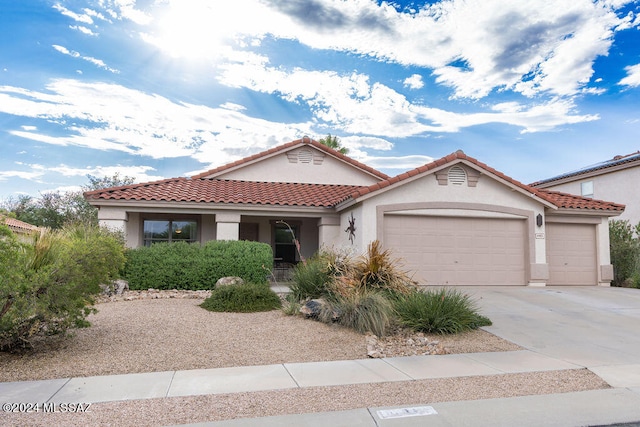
305,156
457,175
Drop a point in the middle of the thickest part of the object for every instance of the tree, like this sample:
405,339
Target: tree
333,142
624,245
55,209
47,285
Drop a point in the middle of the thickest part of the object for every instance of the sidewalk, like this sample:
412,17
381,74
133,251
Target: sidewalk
597,407
271,377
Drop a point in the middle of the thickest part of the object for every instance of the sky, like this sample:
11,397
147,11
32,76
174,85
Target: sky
154,89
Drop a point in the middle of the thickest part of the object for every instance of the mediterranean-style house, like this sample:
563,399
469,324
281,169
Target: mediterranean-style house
615,179
21,229
455,221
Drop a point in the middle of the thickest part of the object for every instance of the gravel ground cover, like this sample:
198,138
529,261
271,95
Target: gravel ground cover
152,332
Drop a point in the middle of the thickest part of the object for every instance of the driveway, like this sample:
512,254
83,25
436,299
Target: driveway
595,327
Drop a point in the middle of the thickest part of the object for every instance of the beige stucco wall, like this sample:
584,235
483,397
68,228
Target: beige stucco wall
424,196
280,169
619,187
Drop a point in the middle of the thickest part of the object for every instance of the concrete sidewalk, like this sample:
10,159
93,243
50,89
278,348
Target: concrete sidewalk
271,377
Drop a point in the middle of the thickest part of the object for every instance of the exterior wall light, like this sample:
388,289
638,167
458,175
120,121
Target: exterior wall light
539,220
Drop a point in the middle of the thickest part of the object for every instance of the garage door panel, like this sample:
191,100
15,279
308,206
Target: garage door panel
459,251
571,254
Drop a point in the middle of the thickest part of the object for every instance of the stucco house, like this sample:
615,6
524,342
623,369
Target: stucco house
615,179
21,229
455,221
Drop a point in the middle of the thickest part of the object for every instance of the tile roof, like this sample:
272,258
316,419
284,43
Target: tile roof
212,190
616,161
17,225
458,155
228,191
558,199
571,201
285,147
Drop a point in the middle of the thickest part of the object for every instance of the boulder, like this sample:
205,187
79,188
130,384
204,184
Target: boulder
116,287
229,281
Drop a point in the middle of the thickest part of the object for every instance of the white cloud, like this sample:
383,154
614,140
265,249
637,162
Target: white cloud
105,116
83,18
401,162
352,104
473,46
97,62
633,76
140,173
83,30
28,175
414,82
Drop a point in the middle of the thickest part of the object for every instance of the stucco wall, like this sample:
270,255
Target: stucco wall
324,170
426,189
619,187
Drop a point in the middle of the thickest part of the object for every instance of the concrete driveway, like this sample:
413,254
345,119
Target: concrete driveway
595,327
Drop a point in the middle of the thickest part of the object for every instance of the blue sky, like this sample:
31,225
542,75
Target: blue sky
163,88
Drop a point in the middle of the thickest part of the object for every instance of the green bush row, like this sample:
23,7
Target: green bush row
188,266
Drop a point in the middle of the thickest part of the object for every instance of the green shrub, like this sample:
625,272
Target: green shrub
245,298
442,311
310,279
625,251
47,286
363,312
188,266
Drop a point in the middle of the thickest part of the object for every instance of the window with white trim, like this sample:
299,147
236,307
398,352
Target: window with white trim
586,189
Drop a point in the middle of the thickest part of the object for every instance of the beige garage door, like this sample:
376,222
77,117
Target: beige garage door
459,251
571,254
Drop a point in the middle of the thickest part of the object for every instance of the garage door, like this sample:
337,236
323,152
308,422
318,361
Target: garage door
459,251
571,254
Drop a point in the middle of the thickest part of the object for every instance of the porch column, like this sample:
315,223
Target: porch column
328,231
227,226
113,218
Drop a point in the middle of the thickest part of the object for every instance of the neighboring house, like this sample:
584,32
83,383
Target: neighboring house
455,221
20,228
616,180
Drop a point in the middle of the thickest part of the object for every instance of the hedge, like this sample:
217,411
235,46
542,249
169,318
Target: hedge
189,266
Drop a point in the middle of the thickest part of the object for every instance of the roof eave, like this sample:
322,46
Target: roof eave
586,212
585,175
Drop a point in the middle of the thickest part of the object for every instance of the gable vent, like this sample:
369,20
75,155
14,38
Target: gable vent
457,176
305,156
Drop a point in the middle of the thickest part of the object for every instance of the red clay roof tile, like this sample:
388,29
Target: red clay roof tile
228,191
204,190
570,201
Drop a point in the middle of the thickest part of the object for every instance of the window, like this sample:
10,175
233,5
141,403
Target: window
169,231
285,247
586,189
